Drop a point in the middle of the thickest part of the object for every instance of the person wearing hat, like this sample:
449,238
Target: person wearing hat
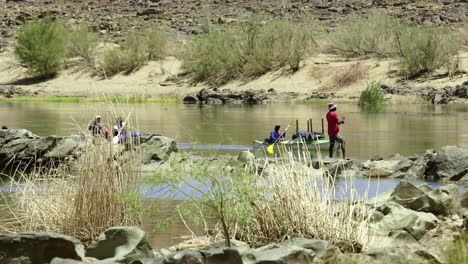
96,126
334,123
275,135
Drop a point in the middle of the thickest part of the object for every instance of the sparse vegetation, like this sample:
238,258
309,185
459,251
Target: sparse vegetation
135,51
82,43
457,252
373,35
372,97
104,193
423,49
41,46
290,202
251,50
349,75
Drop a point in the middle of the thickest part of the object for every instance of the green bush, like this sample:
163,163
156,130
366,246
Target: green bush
426,48
374,35
156,40
251,50
135,51
372,97
82,42
214,57
41,46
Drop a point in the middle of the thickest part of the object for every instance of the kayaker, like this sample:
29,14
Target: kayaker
334,123
275,135
96,126
119,131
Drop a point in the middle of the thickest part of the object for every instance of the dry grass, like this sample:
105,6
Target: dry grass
349,75
296,200
104,192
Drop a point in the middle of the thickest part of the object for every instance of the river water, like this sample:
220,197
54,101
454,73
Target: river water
404,129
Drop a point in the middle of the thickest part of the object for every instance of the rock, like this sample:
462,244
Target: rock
279,254
246,156
191,99
388,167
156,147
66,147
66,261
185,257
222,256
40,247
450,163
441,201
400,255
321,248
396,217
120,243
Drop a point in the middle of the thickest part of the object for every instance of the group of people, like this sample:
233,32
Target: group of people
334,123
119,130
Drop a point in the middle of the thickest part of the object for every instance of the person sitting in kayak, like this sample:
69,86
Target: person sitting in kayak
119,131
96,127
275,135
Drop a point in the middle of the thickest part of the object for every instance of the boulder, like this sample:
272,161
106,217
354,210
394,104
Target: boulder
321,248
450,163
40,247
185,257
444,200
156,147
246,156
191,99
396,217
400,255
387,168
66,147
279,254
120,243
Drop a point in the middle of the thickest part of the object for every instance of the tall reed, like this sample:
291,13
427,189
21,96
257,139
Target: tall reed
102,193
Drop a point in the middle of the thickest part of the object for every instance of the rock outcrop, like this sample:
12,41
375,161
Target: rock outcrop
23,148
431,94
228,96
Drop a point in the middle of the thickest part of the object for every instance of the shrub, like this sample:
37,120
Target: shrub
214,57
349,75
156,39
291,202
103,193
374,35
423,49
41,46
372,97
131,55
82,43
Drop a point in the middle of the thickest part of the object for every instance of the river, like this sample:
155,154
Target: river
404,129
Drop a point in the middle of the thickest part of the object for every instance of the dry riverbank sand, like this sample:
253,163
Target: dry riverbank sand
156,79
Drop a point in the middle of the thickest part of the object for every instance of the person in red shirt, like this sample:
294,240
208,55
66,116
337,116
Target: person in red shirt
334,123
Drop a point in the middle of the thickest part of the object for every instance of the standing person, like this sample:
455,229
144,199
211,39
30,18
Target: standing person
275,135
120,133
334,123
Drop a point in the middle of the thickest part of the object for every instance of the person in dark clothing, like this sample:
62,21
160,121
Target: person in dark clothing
96,126
275,135
334,123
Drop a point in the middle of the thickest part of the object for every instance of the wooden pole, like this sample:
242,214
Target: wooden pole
323,131
297,126
308,126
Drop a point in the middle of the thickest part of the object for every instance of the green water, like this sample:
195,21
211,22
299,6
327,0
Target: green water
403,129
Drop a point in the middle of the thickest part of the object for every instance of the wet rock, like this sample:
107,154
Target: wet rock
228,96
191,99
156,147
434,95
120,244
40,247
450,163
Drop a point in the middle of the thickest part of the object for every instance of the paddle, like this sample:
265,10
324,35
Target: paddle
270,149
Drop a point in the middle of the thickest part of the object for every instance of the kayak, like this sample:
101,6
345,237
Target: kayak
293,144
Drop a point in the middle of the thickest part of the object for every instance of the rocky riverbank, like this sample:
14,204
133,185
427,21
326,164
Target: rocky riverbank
430,94
404,227
20,148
